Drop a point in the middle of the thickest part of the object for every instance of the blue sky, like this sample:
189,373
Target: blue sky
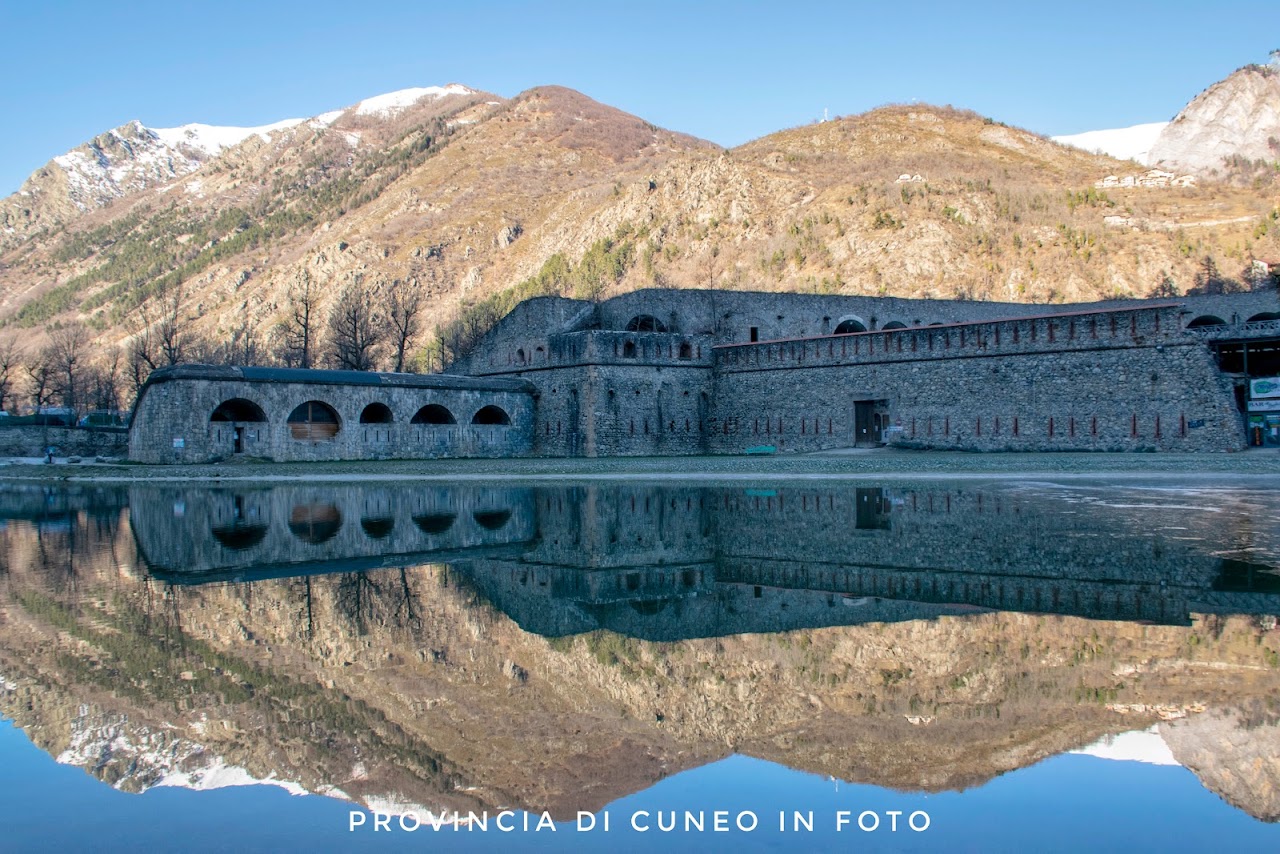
725,71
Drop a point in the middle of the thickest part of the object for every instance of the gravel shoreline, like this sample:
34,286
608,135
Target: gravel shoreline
883,463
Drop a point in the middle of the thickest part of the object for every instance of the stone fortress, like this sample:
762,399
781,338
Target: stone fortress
673,562
683,372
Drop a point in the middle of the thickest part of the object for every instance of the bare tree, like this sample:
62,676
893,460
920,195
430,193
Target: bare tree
40,376
10,361
297,332
142,357
355,330
406,302
172,330
66,354
103,382
244,348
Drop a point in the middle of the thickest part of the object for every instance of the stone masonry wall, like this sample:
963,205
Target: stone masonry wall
31,441
172,422
1127,380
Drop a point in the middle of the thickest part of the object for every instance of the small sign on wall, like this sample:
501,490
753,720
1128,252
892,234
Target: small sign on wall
1269,387
1264,405
179,443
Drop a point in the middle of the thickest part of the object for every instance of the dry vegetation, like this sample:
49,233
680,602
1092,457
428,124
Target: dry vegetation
481,202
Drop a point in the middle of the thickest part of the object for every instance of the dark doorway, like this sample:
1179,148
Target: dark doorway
868,424
239,440
871,512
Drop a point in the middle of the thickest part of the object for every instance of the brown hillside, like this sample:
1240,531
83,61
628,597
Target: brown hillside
474,195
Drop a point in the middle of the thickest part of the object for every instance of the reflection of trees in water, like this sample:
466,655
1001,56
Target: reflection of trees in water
373,599
61,544
306,611
356,593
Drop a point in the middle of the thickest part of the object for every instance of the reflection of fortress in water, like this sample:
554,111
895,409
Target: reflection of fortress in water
669,563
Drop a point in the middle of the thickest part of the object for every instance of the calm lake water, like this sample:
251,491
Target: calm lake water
788,665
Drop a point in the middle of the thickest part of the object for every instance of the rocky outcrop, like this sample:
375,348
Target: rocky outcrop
1238,117
1235,753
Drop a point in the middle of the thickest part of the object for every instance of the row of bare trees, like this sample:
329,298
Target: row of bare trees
366,329
64,372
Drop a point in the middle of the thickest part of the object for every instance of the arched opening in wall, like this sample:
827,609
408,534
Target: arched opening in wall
629,350
491,520
433,413
239,536
520,356
434,523
1206,320
645,323
493,416
314,421
539,355
850,326
1266,315
649,607
376,413
315,523
894,324
377,527
686,350
238,409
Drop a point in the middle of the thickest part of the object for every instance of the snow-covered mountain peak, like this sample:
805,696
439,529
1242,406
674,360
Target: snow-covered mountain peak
212,139
394,102
134,157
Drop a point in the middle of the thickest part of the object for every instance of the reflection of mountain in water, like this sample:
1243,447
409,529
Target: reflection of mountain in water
447,703
672,563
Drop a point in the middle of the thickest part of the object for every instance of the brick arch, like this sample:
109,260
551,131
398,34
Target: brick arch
492,415
376,413
1206,320
850,324
433,413
315,523
314,421
238,409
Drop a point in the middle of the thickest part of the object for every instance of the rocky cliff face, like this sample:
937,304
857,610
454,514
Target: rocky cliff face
1235,752
1236,118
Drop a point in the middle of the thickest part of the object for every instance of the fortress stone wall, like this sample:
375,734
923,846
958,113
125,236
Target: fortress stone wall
663,372
200,413
684,372
665,562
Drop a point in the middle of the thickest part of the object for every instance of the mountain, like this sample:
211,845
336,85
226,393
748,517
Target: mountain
133,158
1232,123
484,200
1131,143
